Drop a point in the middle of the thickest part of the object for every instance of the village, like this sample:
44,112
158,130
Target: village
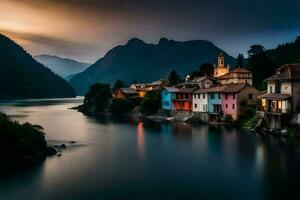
223,96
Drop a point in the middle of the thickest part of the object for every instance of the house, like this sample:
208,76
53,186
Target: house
143,88
281,103
123,93
220,69
184,99
215,99
168,94
234,95
238,75
200,100
198,82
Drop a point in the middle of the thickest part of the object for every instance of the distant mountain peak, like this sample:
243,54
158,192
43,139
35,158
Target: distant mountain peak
135,41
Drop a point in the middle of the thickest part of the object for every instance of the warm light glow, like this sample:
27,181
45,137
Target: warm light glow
142,93
263,102
140,140
279,104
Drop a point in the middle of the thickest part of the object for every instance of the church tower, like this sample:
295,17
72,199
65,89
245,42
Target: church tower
220,69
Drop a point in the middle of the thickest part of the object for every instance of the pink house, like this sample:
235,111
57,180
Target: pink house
236,94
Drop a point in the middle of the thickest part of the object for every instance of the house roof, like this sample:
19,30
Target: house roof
237,70
275,96
201,91
128,91
171,89
197,80
186,90
218,88
286,72
235,87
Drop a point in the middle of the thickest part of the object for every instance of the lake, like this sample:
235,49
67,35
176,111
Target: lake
134,159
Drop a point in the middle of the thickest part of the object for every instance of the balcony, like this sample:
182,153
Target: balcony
273,110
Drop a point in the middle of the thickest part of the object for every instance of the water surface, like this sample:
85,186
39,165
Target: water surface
132,159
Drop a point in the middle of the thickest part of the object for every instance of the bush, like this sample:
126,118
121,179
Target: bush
121,106
151,103
227,119
98,95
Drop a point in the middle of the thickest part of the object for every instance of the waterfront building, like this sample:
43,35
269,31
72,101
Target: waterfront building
281,103
238,75
184,99
215,102
220,69
200,100
168,94
236,95
123,93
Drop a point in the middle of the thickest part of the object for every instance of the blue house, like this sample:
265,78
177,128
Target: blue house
168,94
215,99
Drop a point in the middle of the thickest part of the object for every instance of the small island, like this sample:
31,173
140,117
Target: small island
21,145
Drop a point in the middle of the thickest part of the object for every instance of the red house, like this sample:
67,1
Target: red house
184,99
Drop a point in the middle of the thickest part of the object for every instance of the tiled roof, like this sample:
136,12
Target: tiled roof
128,90
237,70
197,80
186,90
172,89
218,88
275,96
286,72
235,87
201,91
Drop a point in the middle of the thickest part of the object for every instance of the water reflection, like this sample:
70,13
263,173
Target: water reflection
130,158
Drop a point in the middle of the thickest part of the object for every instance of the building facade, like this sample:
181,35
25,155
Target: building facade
184,99
168,94
238,75
281,103
200,100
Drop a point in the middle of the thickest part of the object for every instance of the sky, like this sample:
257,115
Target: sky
86,29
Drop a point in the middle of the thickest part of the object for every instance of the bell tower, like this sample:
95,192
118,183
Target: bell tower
220,69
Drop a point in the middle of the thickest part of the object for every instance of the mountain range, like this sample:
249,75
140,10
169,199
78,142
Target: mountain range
64,67
140,61
21,76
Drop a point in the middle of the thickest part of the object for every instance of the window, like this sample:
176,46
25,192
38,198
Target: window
203,96
187,96
226,96
233,96
194,96
233,106
250,96
166,93
166,103
271,89
226,105
203,107
195,105
212,96
219,95
246,81
198,96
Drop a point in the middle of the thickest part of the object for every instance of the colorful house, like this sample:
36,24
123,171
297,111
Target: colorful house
234,95
238,75
184,99
200,100
168,94
215,99
281,103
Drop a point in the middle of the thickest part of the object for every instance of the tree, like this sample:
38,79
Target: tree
98,95
118,84
240,60
207,69
151,103
174,78
260,65
120,107
256,50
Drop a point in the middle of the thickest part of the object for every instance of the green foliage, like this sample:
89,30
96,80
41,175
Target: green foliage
240,60
260,65
206,69
247,117
23,77
227,119
151,103
293,131
121,106
98,95
118,84
174,78
20,139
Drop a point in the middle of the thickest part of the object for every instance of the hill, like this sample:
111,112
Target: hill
23,77
140,61
62,66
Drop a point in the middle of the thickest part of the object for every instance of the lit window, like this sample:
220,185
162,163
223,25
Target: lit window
233,106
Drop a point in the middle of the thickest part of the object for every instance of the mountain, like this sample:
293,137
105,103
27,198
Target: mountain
23,77
140,61
62,66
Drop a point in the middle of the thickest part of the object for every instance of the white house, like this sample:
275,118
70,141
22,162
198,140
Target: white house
200,100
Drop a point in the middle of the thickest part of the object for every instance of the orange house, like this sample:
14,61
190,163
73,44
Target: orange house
184,99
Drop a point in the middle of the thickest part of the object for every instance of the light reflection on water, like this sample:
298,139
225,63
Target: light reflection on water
146,160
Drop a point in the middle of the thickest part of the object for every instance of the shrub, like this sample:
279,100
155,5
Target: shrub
151,103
